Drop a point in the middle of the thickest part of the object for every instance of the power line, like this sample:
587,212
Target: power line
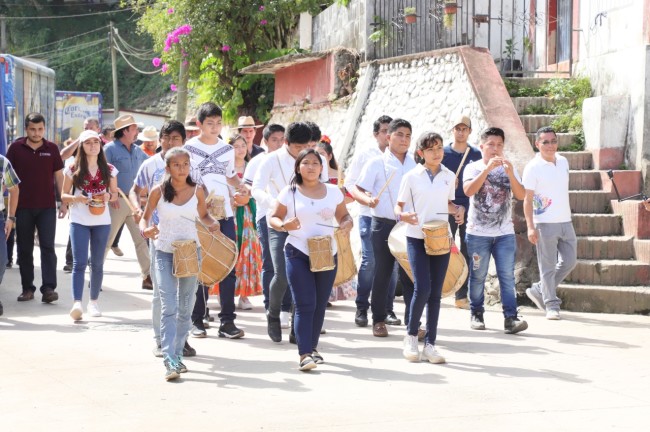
60,40
17,18
77,59
67,50
129,63
141,54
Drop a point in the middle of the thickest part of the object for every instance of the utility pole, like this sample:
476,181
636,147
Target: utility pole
116,104
3,34
181,91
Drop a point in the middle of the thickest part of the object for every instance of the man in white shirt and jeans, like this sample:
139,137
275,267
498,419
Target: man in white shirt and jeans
548,217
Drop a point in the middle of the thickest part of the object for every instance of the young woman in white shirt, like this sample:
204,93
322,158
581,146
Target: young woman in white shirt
427,193
178,201
90,180
308,208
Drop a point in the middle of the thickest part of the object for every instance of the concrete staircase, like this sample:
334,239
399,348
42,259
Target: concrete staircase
613,270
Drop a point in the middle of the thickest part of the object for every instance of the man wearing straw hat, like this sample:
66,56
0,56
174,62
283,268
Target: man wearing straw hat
149,138
457,156
248,129
191,128
127,157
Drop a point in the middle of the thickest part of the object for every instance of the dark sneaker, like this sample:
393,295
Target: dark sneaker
391,319
1,309
170,371
180,367
26,296
477,322
274,328
229,330
49,295
198,330
307,364
514,325
10,264
292,337
157,352
67,268
147,284
361,318
188,351
318,359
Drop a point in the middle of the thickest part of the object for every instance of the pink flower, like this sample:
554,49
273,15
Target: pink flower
184,62
261,8
264,22
225,48
170,11
156,61
165,68
173,87
183,53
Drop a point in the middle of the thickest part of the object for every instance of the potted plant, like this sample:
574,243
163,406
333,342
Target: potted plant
509,62
448,21
451,7
409,15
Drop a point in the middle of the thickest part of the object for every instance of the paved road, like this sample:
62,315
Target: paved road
587,372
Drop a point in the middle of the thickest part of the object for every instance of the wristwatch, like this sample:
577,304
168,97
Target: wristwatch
12,218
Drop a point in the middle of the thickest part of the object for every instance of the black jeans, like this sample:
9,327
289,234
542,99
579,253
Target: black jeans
462,291
384,264
27,222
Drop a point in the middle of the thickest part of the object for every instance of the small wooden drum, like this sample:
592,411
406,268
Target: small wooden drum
437,240
216,206
218,255
320,253
186,258
96,206
346,269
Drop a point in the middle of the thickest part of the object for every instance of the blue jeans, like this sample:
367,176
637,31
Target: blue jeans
429,272
503,249
267,266
155,299
80,237
367,269
226,286
384,266
176,304
279,295
310,290
3,248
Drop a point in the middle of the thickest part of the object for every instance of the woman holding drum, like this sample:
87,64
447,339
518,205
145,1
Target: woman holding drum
427,193
88,184
178,201
306,209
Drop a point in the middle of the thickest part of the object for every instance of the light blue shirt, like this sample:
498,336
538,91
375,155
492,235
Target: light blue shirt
127,162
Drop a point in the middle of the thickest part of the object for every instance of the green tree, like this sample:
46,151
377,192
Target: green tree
219,37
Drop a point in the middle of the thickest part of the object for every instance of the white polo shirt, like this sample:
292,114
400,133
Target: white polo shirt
354,172
274,173
550,183
249,175
430,196
376,173
216,163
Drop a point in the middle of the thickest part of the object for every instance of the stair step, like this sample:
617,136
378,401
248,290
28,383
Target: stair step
521,103
585,180
597,224
589,201
529,82
564,139
533,122
610,272
606,247
581,160
605,299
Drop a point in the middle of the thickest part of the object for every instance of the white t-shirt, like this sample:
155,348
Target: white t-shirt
354,172
216,163
550,184
431,196
79,213
376,173
490,209
249,175
150,174
311,212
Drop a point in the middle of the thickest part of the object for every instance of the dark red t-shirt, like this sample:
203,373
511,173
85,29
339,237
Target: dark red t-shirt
35,169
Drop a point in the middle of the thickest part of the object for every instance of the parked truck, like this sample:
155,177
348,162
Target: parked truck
26,87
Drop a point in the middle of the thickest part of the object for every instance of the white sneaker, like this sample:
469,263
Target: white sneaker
284,320
245,304
77,311
535,296
432,355
552,314
411,349
93,309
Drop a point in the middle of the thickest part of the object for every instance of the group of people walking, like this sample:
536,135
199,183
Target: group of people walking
282,205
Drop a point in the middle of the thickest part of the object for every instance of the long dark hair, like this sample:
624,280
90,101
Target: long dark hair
297,177
232,141
168,190
81,167
325,145
426,140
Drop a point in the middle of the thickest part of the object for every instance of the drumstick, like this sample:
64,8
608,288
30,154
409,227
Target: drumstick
412,200
328,226
381,191
128,203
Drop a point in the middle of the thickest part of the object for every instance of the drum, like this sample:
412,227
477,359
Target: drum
216,206
320,253
437,240
346,269
186,258
96,206
218,255
457,270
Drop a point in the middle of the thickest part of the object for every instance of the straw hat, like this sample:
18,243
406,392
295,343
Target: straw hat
125,120
247,122
150,133
190,124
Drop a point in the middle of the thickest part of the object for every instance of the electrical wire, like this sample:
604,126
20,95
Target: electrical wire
18,18
133,67
140,54
24,52
75,60
64,51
